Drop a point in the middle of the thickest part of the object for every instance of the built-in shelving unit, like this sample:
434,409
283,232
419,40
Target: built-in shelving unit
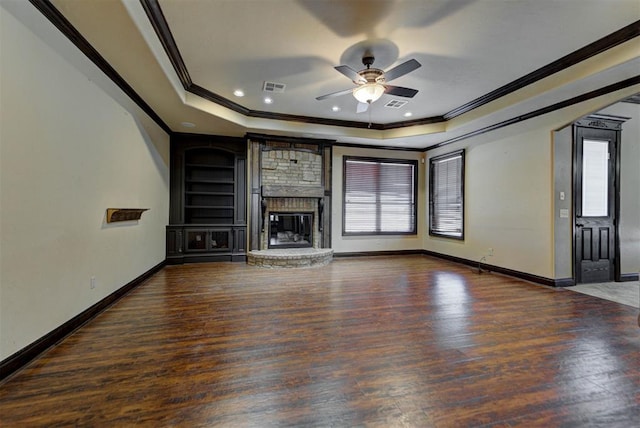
209,186
208,199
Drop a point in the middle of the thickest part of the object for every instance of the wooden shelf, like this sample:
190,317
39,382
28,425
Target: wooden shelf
206,166
197,192
124,214
203,181
209,207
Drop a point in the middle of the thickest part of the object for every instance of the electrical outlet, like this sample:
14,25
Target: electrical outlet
92,283
490,252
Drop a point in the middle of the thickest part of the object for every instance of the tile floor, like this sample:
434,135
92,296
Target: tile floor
627,293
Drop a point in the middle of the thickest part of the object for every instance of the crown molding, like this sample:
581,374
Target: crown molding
614,39
544,110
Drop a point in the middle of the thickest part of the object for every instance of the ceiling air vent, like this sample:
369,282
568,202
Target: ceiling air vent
274,87
395,104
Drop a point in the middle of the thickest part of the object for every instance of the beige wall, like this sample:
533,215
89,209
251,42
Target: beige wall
507,202
509,192
629,186
71,145
511,186
563,182
348,244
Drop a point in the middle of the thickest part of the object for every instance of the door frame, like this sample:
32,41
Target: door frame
611,123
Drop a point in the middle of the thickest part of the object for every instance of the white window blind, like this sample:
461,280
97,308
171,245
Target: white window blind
379,196
446,195
595,178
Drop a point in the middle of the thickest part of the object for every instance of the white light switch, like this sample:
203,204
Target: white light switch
564,213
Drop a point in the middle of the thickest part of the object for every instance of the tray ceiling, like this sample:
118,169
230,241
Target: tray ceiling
468,49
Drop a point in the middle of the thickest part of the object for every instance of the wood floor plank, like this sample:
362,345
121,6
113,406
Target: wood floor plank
372,341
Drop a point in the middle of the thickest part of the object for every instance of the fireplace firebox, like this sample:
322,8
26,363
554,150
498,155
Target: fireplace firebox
290,230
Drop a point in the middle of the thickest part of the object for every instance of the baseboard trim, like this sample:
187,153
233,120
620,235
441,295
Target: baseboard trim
626,277
491,268
378,253
484,266
200,258
18,360
565,282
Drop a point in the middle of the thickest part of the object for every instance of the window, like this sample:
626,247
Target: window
446,195
379,196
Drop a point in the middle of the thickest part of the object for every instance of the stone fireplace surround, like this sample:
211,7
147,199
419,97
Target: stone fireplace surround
289,177
291,199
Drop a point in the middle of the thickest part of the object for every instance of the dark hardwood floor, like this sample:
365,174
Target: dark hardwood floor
396,341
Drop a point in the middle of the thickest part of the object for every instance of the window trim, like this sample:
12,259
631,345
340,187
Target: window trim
413,162
457,153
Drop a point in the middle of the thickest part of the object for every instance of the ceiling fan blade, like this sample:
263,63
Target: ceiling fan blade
350,73
401,70
400,91
362,107
335,94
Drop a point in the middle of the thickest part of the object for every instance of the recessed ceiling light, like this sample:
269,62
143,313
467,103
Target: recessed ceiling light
188,124
268,100
238,93
408,114
335,108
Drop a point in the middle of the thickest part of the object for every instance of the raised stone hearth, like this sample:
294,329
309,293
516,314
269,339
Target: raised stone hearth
290,258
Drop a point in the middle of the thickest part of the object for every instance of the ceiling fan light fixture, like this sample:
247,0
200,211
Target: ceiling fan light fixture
369,92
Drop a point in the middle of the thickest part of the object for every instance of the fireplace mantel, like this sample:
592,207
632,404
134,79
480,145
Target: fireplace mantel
275,191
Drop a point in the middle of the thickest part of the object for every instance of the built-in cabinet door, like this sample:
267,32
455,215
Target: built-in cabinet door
206,240
174,242
220,240
240,240
196,240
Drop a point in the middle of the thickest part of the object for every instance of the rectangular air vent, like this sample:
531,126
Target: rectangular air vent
395,104
274,87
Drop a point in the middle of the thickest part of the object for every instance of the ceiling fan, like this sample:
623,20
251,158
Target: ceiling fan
372,82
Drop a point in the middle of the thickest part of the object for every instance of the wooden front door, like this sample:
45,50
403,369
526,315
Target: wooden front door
595,204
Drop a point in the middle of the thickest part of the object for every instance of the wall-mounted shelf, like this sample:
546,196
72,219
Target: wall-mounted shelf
124,214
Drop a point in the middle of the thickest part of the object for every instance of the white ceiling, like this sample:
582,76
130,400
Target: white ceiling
467,49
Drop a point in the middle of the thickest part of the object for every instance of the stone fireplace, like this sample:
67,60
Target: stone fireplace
288,199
